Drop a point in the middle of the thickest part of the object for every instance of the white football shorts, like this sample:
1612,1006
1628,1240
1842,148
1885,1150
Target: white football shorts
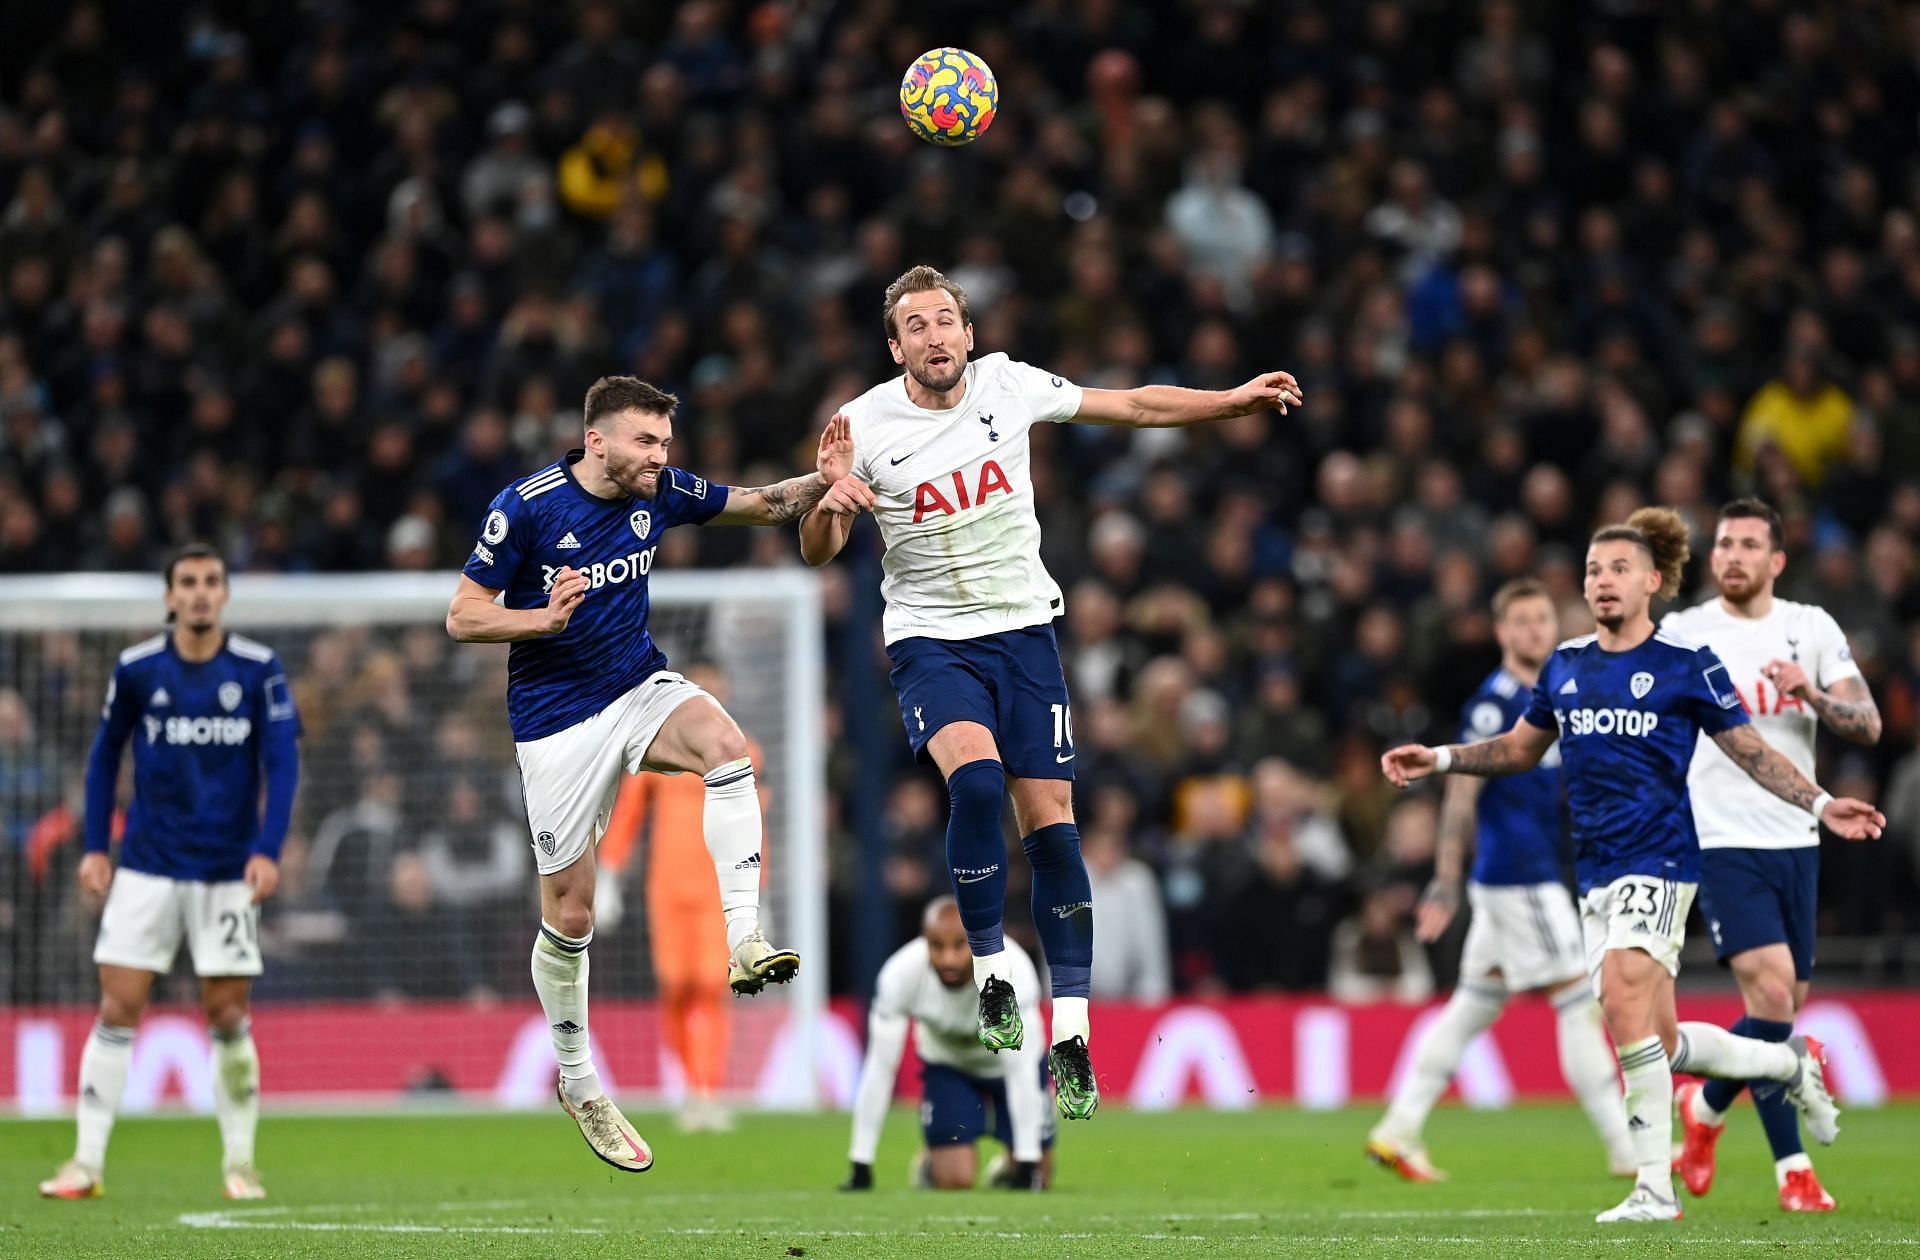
146,915
1529,933
1636,912
570,778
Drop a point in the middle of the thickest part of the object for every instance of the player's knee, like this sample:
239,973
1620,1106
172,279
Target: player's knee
1768,997
571,917
978,789
1052,847
946,1177
725,746
1768,990
226,1017
118,1011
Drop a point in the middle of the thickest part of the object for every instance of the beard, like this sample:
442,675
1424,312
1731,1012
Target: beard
942,383
627,476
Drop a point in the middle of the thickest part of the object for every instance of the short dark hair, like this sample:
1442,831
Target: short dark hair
193,551
921,279
1513,592
1757,510
611,395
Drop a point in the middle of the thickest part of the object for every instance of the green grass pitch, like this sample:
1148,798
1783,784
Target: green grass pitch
1524,1182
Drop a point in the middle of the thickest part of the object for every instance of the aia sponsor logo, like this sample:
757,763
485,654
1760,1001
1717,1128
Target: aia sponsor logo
959,493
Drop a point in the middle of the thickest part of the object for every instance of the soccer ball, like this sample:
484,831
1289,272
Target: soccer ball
948,97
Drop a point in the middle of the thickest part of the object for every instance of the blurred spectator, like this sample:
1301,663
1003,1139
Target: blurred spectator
1273,929
1375,956
1803,414
1131,963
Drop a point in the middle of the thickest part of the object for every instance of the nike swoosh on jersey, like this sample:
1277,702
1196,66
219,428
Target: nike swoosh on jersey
904,458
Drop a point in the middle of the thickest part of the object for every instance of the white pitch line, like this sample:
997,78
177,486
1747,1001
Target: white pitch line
276,1218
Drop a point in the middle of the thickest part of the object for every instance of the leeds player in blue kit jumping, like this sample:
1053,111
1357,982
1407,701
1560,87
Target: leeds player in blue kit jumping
560,572
1627,705
212,720
1525,932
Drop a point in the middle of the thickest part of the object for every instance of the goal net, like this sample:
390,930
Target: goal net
397,946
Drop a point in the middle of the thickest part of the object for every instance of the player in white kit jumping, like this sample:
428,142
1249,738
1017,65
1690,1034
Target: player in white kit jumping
943,464
1760,857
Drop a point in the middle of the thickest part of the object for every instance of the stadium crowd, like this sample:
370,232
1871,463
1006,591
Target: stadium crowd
312,282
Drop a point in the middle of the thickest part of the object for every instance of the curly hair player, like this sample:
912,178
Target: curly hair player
1627,704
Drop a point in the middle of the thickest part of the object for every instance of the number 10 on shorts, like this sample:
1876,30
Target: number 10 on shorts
1063,731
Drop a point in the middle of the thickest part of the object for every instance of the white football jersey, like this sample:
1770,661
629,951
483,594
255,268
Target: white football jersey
1730,810
946,1021
955,500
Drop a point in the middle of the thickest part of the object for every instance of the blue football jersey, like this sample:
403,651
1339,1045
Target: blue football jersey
1628,722
548,522
206,736
1519,832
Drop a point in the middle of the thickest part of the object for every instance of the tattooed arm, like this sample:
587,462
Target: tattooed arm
1847,707
1765,766
1441,900
1519,750
776,504
1842,815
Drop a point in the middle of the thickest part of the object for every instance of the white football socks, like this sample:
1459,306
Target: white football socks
236,1091
1471,1010
1070,1020
999,966
560,978
1649,1081
1710,1050
733,827
1586,1061
104,1064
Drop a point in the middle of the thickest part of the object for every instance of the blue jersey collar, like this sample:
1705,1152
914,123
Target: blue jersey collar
567,462
173,650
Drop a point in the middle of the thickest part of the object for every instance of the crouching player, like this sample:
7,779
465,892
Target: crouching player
967,1091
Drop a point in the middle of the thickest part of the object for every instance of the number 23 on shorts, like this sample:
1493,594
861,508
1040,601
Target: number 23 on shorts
1639,897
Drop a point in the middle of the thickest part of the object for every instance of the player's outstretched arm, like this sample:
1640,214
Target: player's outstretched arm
1171,406
1846,817
473,617
1519,750
792,499
776,504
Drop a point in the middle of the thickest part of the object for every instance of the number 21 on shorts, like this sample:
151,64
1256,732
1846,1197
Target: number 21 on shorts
1062,732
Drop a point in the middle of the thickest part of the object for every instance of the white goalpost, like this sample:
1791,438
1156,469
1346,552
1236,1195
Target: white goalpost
408,897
